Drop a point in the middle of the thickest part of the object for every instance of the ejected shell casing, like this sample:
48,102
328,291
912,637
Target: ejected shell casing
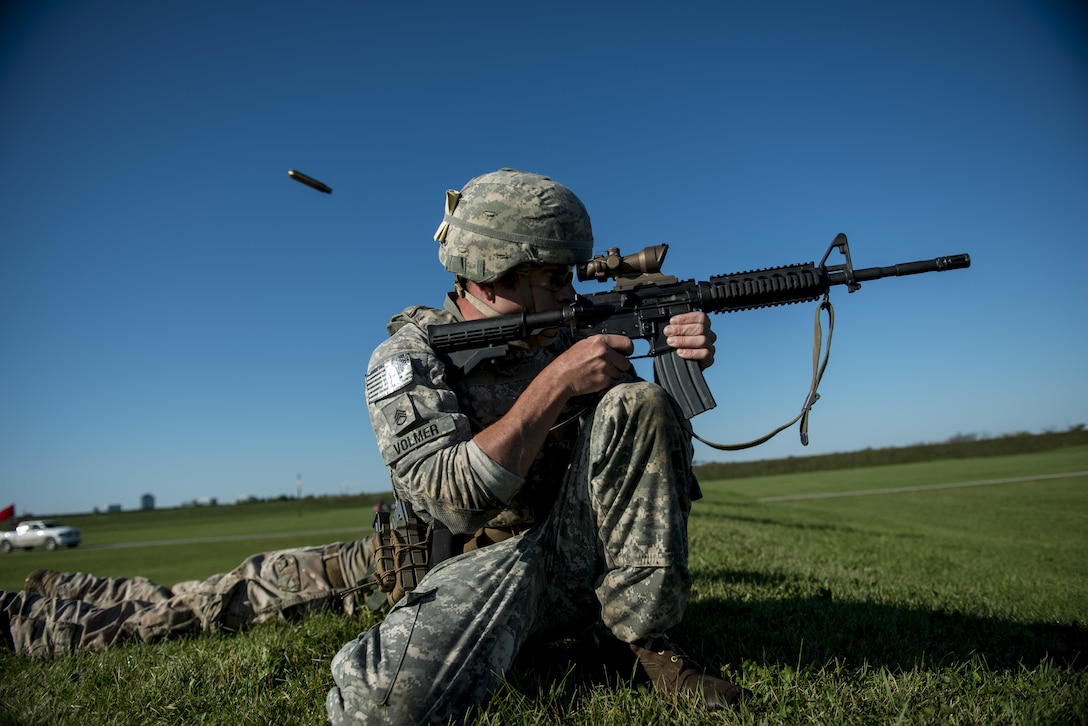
309,181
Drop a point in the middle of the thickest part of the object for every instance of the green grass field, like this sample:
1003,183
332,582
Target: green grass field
232,533
936,606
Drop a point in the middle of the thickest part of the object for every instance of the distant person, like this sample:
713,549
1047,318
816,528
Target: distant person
60,612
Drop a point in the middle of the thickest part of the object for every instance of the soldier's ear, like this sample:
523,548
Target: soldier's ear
486,290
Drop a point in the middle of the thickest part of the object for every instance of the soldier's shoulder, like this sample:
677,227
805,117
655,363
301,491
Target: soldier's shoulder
408,332
419,317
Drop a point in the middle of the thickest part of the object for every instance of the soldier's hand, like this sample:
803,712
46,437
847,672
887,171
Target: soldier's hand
692,337
594,363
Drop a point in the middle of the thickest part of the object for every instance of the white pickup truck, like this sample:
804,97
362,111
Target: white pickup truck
40,533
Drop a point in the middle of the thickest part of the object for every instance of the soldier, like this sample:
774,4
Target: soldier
563,480
60,612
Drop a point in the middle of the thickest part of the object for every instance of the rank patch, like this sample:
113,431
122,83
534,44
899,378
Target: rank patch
400,414
389,377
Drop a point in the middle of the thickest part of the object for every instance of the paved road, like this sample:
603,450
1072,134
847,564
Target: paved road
923,488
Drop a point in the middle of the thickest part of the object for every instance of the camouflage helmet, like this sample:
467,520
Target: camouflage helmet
508,217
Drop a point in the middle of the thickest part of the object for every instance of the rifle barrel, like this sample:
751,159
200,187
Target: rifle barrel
937,264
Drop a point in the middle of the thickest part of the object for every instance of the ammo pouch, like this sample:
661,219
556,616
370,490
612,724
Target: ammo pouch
407,548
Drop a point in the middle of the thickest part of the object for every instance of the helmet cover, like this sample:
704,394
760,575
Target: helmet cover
507,218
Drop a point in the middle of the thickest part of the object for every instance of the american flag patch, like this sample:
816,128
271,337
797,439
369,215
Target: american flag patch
389,377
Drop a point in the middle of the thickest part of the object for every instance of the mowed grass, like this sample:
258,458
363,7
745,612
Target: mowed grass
956,605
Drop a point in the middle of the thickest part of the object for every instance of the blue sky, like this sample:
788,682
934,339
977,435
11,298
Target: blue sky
178,317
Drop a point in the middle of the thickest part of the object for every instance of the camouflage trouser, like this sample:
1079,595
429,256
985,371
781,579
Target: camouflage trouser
613,550
79,610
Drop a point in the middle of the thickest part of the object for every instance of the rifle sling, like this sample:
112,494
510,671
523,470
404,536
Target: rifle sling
818,367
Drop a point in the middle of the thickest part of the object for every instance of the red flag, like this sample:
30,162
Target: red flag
7,512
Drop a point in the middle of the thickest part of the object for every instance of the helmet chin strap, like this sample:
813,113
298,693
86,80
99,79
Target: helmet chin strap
526,290
486,310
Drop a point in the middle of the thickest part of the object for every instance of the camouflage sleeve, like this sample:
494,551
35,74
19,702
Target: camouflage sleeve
426,440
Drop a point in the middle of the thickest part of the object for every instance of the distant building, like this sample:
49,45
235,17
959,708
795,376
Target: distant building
113,508
147,501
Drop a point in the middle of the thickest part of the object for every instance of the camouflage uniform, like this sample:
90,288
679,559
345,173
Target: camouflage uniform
605,506
60,612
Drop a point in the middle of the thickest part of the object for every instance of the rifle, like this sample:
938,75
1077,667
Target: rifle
643,301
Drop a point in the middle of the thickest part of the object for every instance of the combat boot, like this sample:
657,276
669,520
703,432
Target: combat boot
671,670
42,582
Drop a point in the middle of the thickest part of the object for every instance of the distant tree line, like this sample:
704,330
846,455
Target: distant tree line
369,498
960,446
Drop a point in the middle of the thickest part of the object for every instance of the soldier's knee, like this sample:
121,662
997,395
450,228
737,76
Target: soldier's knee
639,400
